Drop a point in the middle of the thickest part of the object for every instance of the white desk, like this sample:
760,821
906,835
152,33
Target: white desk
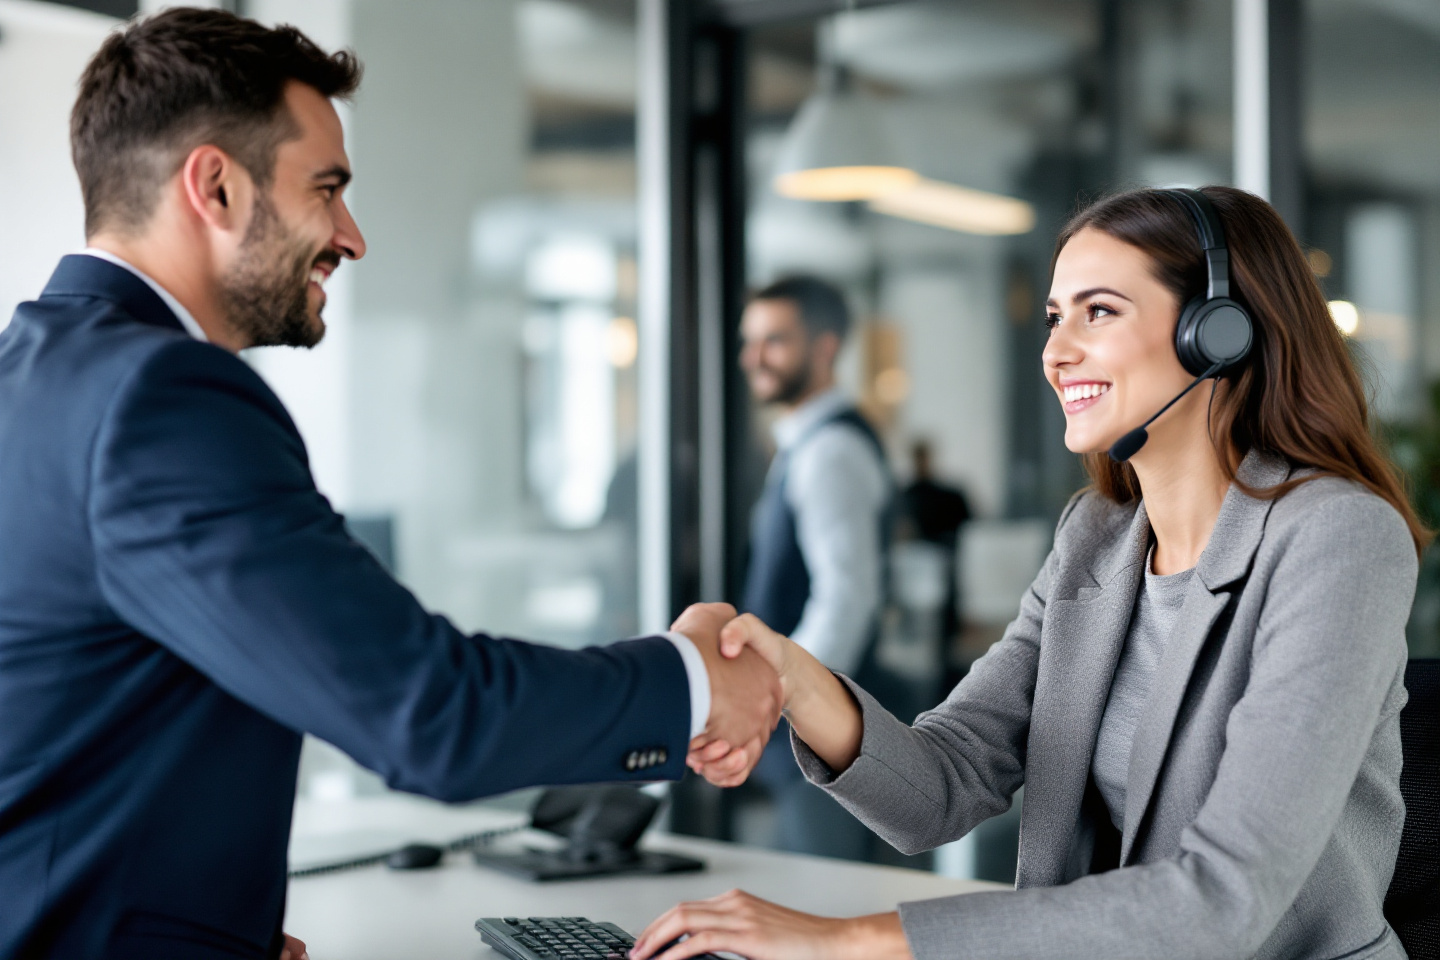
374,912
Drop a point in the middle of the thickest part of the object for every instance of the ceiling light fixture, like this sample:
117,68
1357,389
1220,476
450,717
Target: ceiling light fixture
836,149
958,208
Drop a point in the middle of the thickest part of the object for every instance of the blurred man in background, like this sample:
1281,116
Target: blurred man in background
818,532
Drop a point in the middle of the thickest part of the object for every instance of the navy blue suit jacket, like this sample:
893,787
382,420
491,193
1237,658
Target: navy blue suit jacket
178,604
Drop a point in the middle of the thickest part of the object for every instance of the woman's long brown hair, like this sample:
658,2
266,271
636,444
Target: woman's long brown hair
1298,394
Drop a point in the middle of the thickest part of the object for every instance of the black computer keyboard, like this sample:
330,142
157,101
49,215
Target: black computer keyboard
558,938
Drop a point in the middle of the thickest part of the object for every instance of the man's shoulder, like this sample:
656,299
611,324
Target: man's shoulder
62,356
845,434
839,452
80,335
88,354
838,442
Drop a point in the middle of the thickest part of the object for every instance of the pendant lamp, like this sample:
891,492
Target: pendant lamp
836,147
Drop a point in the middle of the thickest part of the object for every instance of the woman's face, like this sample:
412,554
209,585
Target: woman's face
1111,353
1110,356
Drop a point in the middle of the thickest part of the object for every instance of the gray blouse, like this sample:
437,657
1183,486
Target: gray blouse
1157,607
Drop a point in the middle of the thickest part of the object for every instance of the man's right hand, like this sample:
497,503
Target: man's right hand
745,694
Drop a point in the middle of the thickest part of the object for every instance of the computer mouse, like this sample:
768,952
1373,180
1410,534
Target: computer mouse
414,856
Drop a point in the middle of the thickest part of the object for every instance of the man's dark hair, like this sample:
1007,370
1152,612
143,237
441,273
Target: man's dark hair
821,305
166,84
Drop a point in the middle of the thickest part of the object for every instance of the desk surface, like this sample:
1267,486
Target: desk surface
378,913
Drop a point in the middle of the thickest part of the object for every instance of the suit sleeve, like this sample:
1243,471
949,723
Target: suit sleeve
960,764
211,539
1328,647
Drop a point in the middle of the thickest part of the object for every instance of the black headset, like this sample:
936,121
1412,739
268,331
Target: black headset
1214,333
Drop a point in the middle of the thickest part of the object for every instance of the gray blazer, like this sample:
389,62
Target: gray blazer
1263,810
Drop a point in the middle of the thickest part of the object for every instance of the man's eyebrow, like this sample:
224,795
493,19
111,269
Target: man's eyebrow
337,172
1087,294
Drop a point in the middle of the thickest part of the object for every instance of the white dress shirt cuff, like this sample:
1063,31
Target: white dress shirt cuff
699,678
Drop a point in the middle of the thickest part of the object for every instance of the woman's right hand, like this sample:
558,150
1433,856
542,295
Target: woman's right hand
722,763
820,708
783,655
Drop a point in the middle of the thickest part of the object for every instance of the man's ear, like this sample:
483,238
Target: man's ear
826,349
218,190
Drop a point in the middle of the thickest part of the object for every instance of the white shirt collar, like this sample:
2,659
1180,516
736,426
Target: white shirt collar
794,425
181,314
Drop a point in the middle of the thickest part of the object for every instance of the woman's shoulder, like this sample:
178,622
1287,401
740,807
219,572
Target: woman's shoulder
1329,512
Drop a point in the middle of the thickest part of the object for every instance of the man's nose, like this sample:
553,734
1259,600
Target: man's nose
748,356
347,239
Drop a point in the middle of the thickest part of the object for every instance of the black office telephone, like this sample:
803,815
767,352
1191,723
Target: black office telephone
603,826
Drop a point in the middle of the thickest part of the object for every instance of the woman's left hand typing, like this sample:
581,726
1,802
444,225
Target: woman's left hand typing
737,922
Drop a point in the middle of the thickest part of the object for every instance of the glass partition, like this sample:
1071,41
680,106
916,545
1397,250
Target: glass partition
473,408
1004,117
1372,150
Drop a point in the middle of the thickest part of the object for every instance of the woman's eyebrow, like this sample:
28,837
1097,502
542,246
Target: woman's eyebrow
1087,294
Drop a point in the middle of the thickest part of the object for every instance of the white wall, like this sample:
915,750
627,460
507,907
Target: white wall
953,324
316,384
411,405
43,49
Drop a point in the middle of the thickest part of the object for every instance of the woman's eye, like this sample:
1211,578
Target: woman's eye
1098,310
1052,320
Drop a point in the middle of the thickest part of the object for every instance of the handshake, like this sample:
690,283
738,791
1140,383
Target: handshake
753,672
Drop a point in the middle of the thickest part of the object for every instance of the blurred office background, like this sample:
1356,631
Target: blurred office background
527,401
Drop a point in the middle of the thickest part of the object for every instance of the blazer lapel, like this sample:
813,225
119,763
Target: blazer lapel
1225,561
1157,721
1083,633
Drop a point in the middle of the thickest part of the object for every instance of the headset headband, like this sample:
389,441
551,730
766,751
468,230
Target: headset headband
1212,239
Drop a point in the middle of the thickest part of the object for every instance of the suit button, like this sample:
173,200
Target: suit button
661,756
631,759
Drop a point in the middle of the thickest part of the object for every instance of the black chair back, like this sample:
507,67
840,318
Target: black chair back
1412,904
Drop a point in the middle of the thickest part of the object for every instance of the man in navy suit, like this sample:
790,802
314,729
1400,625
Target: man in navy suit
177,601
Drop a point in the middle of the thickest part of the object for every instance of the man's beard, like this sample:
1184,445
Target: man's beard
266,294
792,386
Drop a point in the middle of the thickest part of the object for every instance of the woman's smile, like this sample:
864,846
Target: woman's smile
1081,395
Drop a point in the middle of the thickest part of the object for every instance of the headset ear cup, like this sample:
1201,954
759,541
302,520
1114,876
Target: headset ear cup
1186,343
1211,332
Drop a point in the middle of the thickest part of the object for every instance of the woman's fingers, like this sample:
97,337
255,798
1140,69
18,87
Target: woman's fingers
734,636
690,917
749,630
739,923
704,942
664,928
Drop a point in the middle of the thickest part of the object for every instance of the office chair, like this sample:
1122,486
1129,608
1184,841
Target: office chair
1412,904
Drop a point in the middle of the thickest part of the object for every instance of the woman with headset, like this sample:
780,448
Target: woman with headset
1201,692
